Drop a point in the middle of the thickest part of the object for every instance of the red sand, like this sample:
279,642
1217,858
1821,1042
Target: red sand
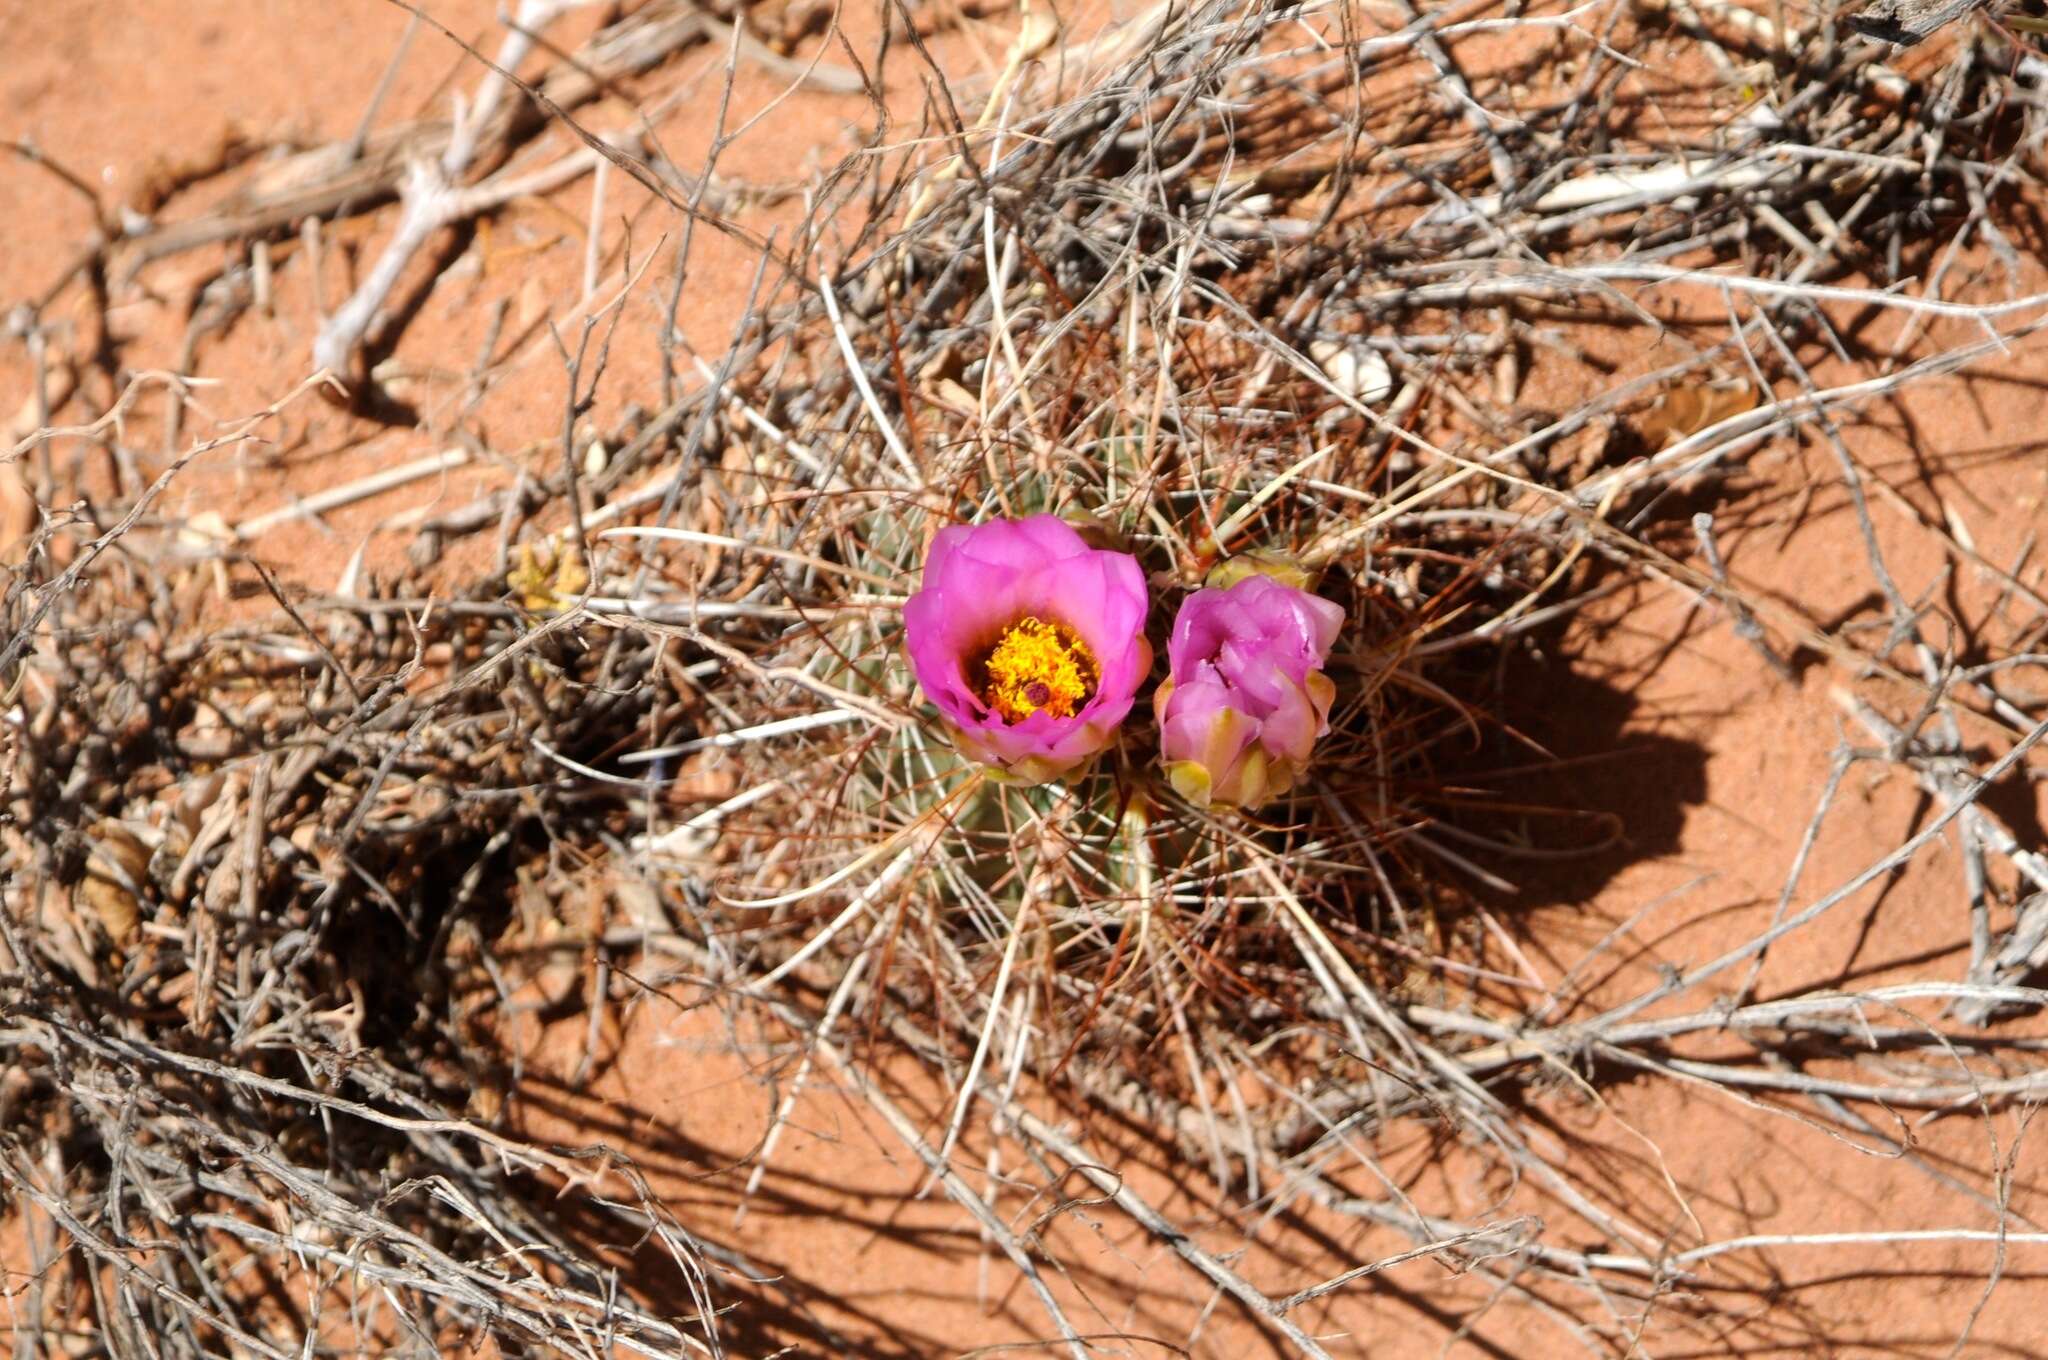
1714,765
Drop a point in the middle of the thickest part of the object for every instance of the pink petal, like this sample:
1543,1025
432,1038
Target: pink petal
981,578
1249,695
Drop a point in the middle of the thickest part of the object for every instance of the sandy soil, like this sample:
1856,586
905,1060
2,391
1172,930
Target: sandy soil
1667,721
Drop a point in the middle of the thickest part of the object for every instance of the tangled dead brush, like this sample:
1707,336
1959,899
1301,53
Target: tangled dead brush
1222,280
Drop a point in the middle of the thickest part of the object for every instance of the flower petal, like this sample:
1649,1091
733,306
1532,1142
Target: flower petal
1246,698
984,578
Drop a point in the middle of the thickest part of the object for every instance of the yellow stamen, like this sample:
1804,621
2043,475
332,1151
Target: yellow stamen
1034,667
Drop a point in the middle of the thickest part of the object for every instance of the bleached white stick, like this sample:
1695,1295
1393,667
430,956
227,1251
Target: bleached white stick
335,497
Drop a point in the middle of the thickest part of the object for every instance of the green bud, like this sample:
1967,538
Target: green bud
1280,566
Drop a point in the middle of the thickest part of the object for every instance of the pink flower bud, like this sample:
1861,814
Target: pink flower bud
1030,643
1245,697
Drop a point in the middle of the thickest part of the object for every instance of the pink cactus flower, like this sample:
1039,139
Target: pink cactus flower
1030,642
1245,697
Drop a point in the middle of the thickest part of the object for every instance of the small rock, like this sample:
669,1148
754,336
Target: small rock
1354,370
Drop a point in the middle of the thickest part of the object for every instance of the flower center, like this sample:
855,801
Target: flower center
1035,667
